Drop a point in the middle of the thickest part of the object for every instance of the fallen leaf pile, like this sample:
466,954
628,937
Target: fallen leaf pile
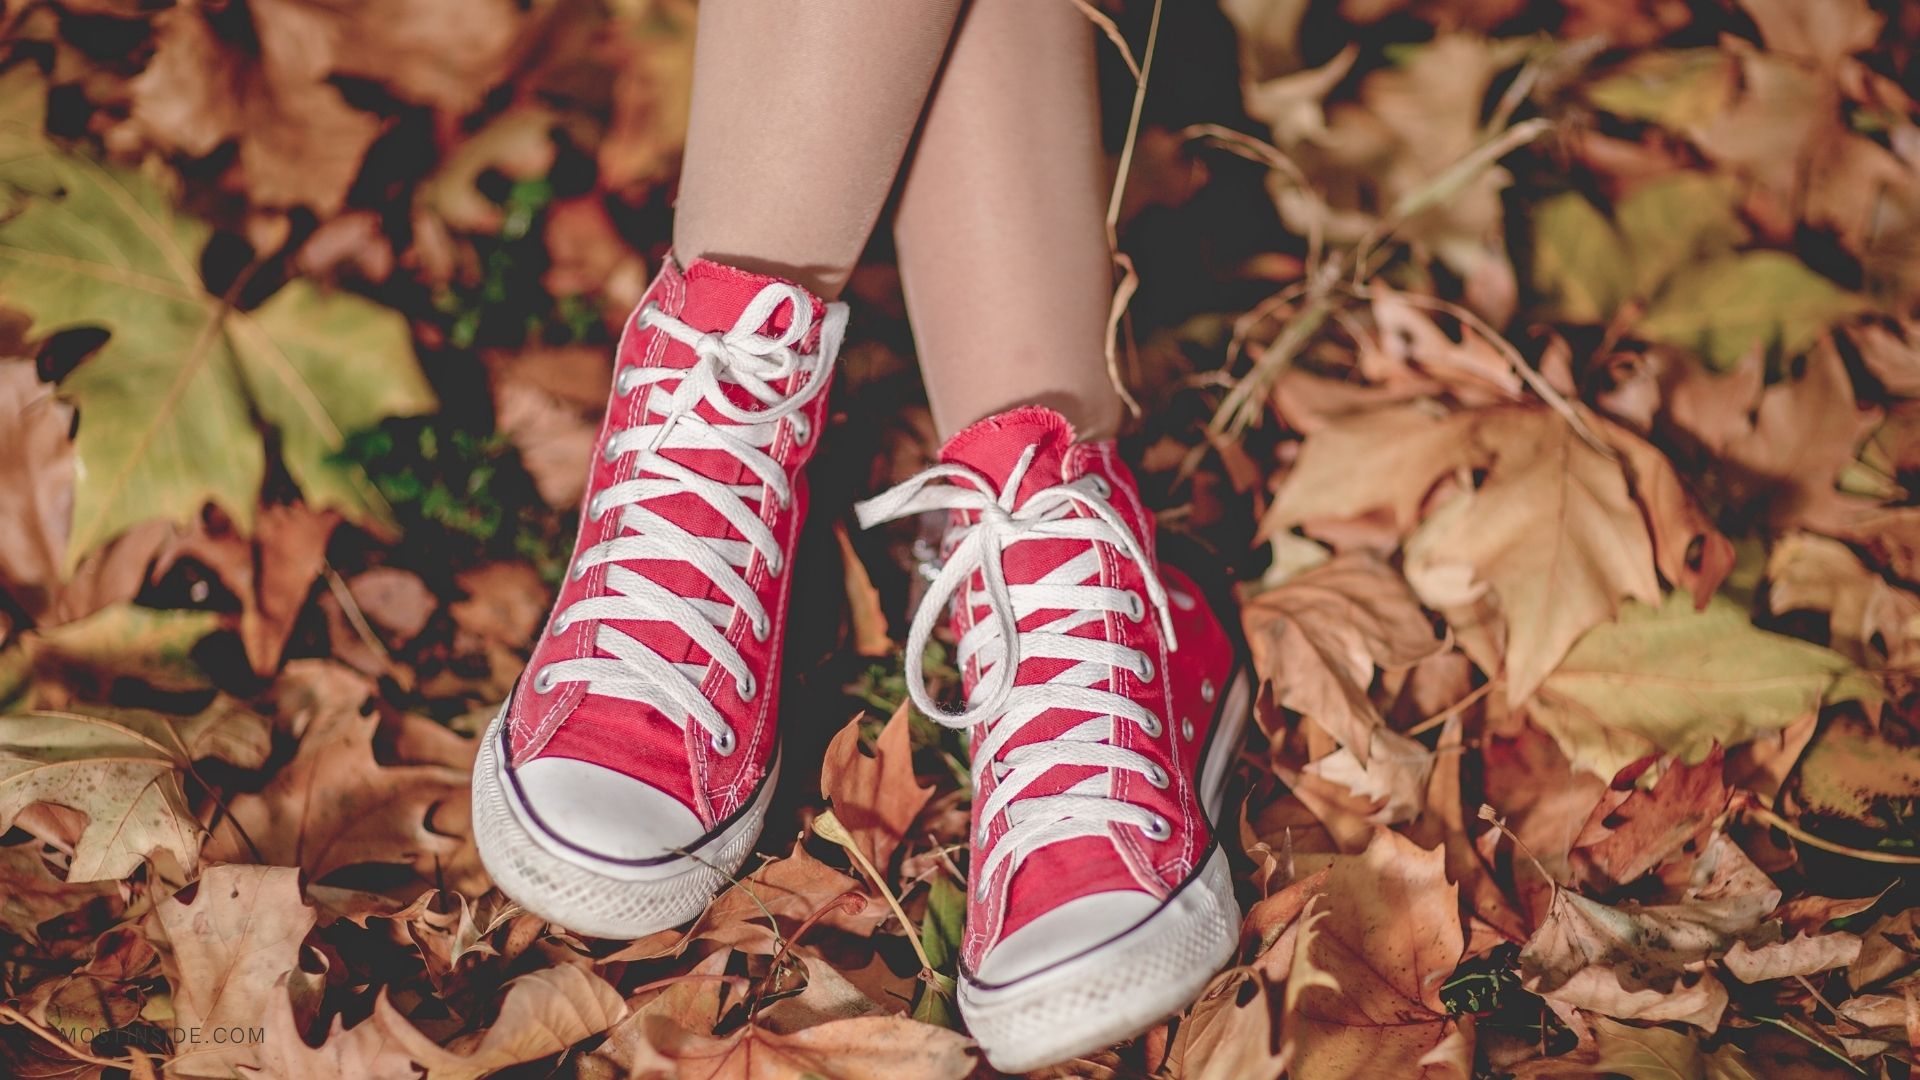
1545,378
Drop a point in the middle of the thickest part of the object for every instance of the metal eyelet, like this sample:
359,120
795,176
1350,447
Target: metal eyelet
1186,728
746,687
1100,485
1145,670
775,566
1207,691
610,454
1160,829
1155,729
579,571
1136,607
1158,777
723,742
802,431
543,681
623,384
761,630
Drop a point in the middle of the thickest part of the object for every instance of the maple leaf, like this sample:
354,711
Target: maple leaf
1384,462
167,405
1764,299
542,1013
226,942
863,1048
1677,680
122,770
877,797
1554,532
1373,966
334,805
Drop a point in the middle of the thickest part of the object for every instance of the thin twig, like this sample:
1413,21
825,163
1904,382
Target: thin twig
1767,817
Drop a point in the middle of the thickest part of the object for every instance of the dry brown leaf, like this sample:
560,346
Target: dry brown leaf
542,1014
334,805
1383,463
227,942
1377,958
864,1048
877,797
506,603
1690,552
1319,638
1553,532
1637,962
548,402
394,600
1806,431
1805,955
1626,840
271,573
1869,620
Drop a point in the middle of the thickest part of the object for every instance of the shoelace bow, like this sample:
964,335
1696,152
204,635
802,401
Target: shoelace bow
1000,645
742,357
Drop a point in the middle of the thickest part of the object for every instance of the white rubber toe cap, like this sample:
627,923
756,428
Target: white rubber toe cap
607,813
1065,932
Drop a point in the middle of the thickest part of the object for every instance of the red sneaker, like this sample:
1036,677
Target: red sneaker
629,772
1107,704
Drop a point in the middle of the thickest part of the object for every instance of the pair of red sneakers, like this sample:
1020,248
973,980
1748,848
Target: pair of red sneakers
628,776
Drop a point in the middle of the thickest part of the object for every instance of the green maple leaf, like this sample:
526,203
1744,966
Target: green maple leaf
171,405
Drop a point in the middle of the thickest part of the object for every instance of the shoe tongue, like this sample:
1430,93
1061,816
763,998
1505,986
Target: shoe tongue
717,294
993,448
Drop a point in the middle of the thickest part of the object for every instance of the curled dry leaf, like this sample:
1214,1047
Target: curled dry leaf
1319,638
542,1013
1649,962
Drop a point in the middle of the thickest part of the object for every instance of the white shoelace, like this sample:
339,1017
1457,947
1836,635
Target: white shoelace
740,357
1087,808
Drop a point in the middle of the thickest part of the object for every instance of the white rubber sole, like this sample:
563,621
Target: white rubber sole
598,897
1141,975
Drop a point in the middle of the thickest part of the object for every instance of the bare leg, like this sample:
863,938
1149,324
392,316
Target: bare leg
1002,227
801,114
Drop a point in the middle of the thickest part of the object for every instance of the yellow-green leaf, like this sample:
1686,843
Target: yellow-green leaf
1677,89
1578,259
1726,308
1675,680
127,641
1679,219
168,404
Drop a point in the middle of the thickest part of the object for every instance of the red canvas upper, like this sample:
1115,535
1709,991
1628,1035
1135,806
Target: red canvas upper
1125,858
570,722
